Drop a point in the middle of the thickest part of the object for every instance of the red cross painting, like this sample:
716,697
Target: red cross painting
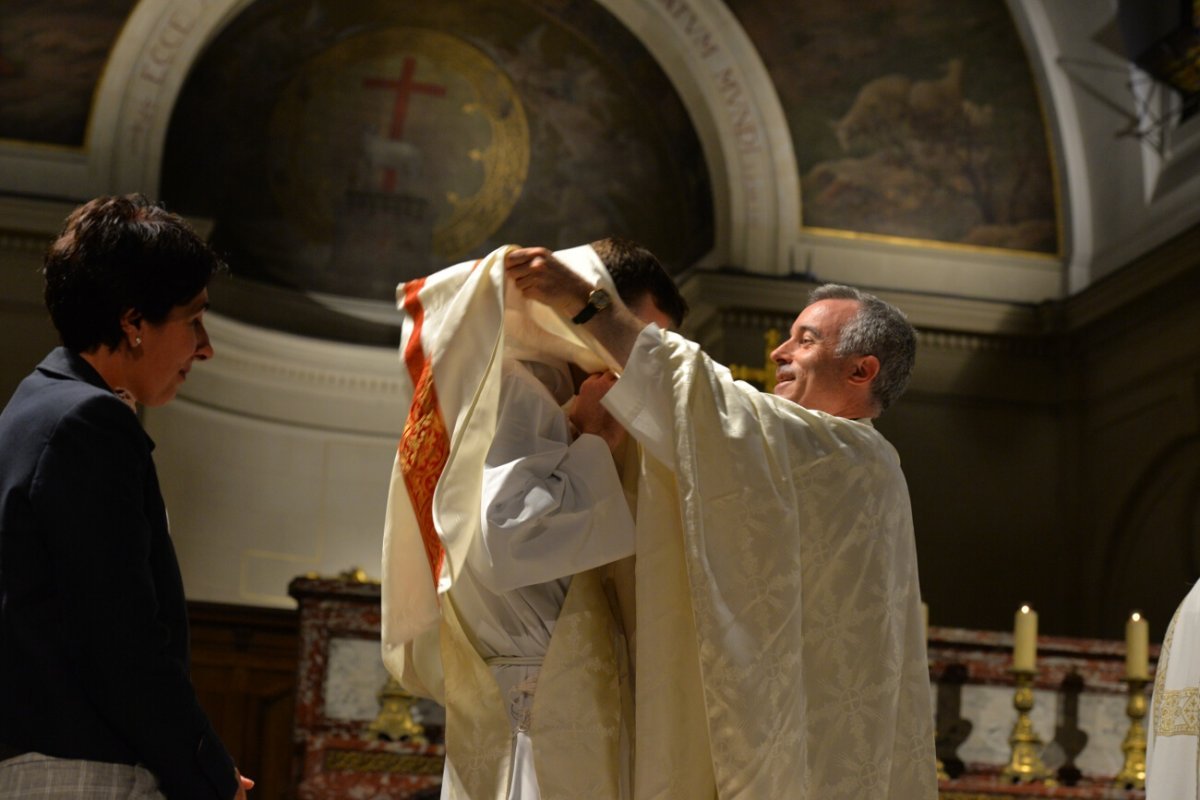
404,88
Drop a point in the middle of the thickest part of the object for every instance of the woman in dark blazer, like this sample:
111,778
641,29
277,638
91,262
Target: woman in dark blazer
95,695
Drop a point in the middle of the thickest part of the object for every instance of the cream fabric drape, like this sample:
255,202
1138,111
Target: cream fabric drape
777,594
1173,743
459,325
465,323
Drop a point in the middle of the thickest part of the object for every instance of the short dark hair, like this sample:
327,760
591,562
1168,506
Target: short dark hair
116,254
637,272
878,329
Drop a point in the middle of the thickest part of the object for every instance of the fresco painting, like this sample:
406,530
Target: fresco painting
341,148
916,119
52,54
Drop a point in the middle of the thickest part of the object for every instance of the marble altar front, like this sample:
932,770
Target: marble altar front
340,695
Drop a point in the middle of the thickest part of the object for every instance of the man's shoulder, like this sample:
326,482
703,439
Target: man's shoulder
855,439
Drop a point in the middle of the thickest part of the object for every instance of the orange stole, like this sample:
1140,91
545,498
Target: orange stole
424,445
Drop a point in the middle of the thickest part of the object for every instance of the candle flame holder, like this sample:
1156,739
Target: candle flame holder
1133,774
1026,765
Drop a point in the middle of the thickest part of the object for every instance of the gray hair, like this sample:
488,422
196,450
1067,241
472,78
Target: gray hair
878,329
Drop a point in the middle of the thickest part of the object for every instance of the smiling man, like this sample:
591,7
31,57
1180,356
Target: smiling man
849,354
783,525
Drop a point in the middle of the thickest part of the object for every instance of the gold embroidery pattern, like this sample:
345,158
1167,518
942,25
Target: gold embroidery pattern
1179,713
425,443
1176,711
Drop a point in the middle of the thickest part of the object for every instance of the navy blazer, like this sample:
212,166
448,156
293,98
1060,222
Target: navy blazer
94,647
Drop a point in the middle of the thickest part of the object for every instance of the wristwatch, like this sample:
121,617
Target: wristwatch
598,300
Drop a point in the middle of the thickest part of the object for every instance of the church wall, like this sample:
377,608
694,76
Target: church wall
254,503
25,326
986,474
275,461
1137,369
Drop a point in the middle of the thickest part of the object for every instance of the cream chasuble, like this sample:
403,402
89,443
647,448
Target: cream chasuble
459,325
1173,743
780,650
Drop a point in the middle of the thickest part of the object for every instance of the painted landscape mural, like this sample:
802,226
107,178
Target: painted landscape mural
911,118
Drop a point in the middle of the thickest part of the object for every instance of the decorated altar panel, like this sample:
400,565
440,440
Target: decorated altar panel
356,733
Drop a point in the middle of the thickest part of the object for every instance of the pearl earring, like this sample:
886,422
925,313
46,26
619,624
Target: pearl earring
138,341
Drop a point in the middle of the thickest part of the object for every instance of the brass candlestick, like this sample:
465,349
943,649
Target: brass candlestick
1133,774
395,720
1026,765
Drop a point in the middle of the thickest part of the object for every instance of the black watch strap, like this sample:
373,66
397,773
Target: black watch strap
599,299
588,312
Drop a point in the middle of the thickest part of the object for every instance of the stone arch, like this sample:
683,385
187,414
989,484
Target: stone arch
699,44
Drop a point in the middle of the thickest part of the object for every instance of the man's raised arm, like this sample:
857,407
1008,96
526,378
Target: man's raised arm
542,277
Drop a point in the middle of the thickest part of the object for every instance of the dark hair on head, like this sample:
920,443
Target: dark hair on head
878,329
116,254
637,272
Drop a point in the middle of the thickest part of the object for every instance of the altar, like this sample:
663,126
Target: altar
356,735
1080,715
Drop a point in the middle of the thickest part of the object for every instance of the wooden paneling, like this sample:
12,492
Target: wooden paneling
244,669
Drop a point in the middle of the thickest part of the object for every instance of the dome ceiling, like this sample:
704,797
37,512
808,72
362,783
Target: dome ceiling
982,149
340,148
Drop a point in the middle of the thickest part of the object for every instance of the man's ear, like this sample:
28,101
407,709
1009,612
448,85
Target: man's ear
865,370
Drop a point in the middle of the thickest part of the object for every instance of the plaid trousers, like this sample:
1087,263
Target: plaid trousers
33,776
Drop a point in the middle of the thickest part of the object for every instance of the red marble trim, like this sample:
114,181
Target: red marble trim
324,617
988,783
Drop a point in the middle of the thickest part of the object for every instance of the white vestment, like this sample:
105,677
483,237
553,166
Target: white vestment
552,507
800,671
492,497
1173,742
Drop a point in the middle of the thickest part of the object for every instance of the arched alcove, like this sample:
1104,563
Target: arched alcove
338,153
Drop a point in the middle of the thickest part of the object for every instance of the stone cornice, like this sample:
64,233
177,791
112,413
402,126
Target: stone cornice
786,296
23,242
296,380
28,226
1141,277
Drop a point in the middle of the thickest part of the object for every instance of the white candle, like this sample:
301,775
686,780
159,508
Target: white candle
1137,647
1025,639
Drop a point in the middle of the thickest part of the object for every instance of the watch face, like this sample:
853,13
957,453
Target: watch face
600,299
